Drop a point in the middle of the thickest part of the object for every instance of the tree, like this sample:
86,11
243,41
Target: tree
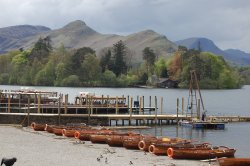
106,61
41,49
119,51
149,57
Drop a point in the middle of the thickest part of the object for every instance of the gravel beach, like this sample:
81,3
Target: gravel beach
32,148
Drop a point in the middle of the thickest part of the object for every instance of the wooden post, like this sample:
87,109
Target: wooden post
28,120
107,103
177,110
102,100
8,103
143,104
140,105
66,104
39,103
161,105
199,109
19,99
59,110
149,104
91,104
130,111
88,104
128,103
116,105
156,110
182,108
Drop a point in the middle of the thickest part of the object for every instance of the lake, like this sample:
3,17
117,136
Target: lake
217,102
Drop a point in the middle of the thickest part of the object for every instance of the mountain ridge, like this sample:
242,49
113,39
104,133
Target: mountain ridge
233,56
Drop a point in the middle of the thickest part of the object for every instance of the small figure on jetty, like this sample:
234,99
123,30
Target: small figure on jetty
8,162
98,159
203,117
130,162
106,160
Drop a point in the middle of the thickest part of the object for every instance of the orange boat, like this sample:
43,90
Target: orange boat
49,128
57,131
38,127
199,153
85,134
132,141
68,132
116,139
146,142
234,161
159,146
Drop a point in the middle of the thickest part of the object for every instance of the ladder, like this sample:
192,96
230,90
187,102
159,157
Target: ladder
192,106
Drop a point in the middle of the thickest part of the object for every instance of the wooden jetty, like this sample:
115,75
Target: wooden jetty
88,108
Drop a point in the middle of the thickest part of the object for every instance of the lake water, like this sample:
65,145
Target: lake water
217,102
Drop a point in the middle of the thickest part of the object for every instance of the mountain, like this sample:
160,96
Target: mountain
235,57
10,36
77,34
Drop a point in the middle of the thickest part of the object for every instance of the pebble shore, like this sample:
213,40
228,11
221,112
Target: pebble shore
32,148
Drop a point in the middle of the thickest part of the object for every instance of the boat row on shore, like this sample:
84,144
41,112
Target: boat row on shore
175,148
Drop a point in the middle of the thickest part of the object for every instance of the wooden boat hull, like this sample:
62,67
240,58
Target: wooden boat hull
234,161
68,132
38,127
200,154
115,140
49,128
58,131
98,138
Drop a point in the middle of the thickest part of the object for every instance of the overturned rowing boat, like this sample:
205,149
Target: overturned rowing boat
234,161
200,153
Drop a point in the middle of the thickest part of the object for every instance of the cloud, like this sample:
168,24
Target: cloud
226,21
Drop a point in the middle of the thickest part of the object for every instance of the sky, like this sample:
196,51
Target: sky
226,22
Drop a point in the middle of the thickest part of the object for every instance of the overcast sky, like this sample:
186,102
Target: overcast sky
226,22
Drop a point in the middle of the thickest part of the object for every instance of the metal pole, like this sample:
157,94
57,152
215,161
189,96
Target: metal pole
161,105
182,108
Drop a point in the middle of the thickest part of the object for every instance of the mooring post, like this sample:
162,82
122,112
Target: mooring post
143,105
8,103
128,103
102,100
39,103
182,106
161,105
156,110
28,121
91,104
107,103
149,104
199,109
116,105
66,103
130,111
59,110
88,107
177,110
140,105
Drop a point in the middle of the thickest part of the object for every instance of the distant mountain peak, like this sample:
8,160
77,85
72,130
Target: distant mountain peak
77,23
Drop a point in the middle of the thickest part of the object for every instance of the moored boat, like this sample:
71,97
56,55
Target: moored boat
68,132
200,153
234,161
38,127
116,139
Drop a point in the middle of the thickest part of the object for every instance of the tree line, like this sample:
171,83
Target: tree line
46,66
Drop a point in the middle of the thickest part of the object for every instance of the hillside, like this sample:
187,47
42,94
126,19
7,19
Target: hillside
77,34
10,36
235,57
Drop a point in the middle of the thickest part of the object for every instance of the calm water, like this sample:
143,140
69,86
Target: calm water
217,102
